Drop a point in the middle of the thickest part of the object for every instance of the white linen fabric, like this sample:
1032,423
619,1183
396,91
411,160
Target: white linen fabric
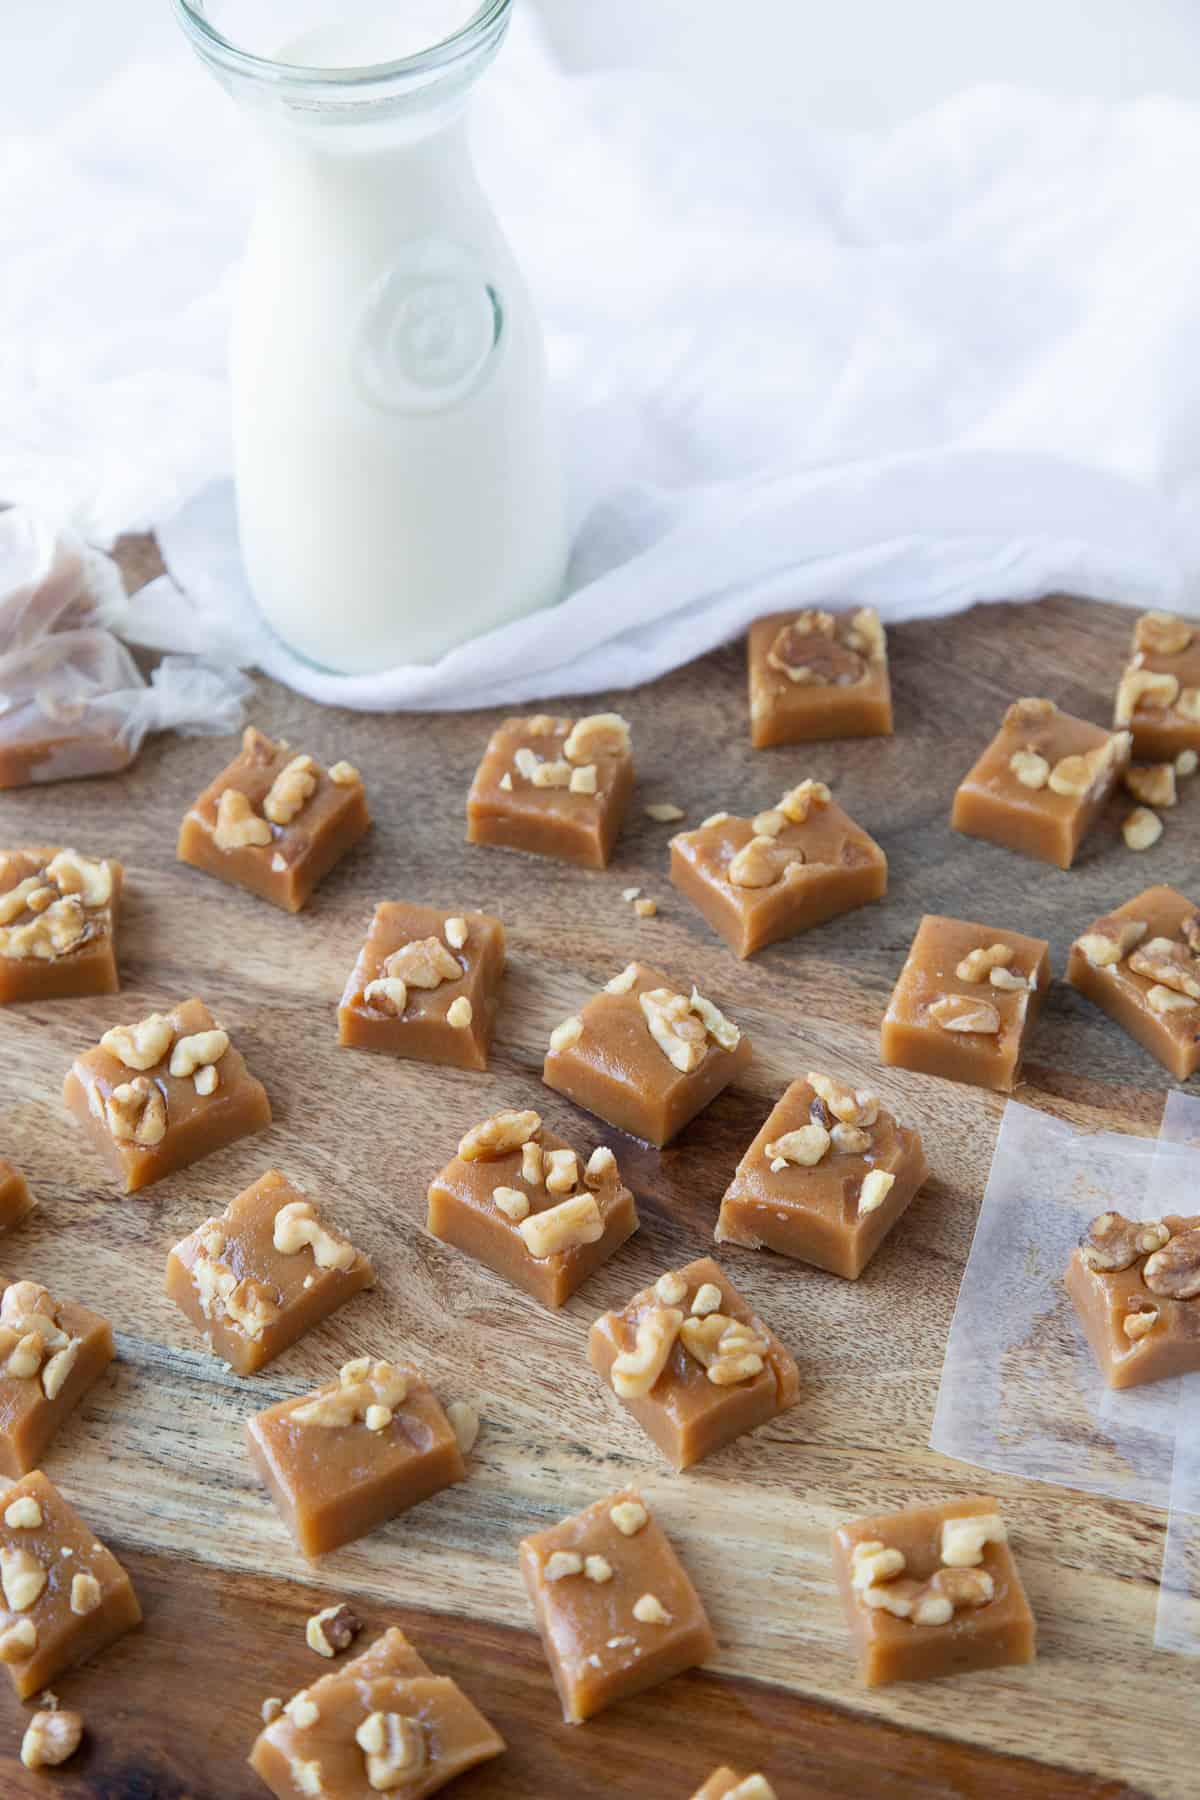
952,361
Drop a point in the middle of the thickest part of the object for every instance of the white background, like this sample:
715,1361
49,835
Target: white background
839,61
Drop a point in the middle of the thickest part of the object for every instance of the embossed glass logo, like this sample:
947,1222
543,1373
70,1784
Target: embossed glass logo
429,330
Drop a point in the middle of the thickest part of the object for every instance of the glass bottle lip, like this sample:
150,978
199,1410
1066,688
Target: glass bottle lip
480,34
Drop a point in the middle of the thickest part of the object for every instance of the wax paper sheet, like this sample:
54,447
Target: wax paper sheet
1020,1390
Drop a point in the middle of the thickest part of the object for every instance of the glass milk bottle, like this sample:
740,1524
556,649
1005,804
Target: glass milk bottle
399,487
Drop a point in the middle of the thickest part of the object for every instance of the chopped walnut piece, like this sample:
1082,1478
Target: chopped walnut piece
648,1609
332,1630
1174,1271
497,1136
1171,963
851,1106
206,1080
459,1013
722,1030
136,1112
1166,1000
298,1224
15,901
799,801
601,1165
563,1227
1030,769
634,1372
876,1185
367,1391
1161,634
630,893
57,929
512,1203
664,812
679,1033
561,1564
197,1051
395,1749
963,1539
949,1591
1137,1325
1030,711
865,633
456,932
646,909
270,1709
532,1164
1009,982
238,824
464,1421
621,984
142,1045
762,862
597,1568
18,1641
978,964
1071,775
728,1349
1188,704
671,1288
1141,828
807,651
599,734
707,1299
58,1367
873,1561
569,1032
628,1516
805,1146
584,780
755,1787
344,774
72,873
85,1594
51,1738
769,824
387,994
551,775
1153,783
291,790
717,818
956,1012
423,963
562,1171
850,1140
1113,1242
1103,950
506,782
1186,763
22,1579
24,1514
1143,688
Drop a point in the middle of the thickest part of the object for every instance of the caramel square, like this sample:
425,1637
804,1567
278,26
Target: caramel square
161,1093
1141,965
53,1351
262,1273
1140,1329
67,1597
381,1722
555,787
58,923
790,868
693,1363
615,1608
812,1196
358,1451
941,1021
816,675
274,822
522,1202
918,1619
16,1202
1158,696
426,986
611,1060
1040,785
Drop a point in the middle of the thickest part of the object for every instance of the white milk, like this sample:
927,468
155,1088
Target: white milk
399,487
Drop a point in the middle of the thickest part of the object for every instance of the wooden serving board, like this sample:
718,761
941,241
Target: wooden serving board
154,1458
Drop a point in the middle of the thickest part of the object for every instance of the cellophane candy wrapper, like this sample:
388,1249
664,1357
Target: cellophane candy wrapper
1020,1390
73,701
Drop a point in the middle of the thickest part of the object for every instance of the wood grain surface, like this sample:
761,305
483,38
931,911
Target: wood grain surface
154,1458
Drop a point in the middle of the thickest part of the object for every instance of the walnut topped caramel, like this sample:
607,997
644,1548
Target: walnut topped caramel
823,649
56,908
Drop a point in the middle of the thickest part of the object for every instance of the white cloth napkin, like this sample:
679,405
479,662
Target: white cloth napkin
958,360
